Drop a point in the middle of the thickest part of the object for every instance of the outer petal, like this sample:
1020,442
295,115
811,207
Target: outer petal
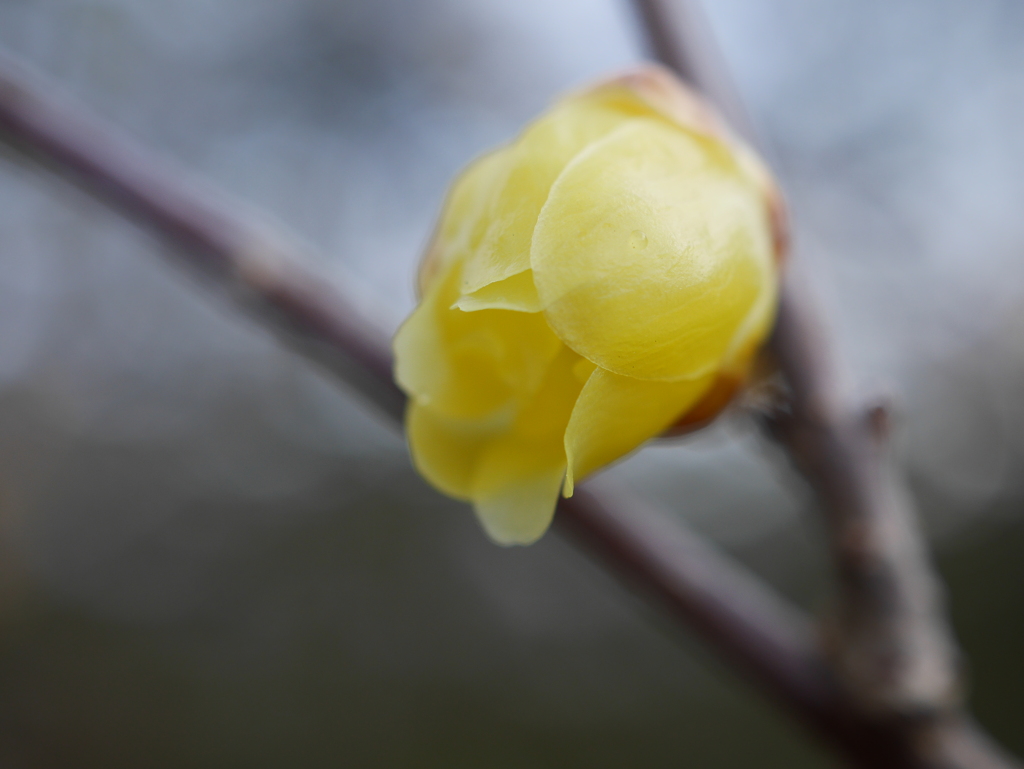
664,95
517,293
753,330
651,251
445,451
512,474
463,219
535,160
517,489
615,414
478,365
520,472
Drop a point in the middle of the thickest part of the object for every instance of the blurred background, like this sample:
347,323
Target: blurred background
212,556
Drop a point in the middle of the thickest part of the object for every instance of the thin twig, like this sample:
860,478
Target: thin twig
761,635
891,643
269,273
891,640
680,37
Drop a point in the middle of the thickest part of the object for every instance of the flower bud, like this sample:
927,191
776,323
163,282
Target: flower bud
607,276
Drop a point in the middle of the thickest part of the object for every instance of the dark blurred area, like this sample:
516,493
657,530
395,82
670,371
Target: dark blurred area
211,555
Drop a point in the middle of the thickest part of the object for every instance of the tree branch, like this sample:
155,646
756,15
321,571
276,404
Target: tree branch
267,272
890,642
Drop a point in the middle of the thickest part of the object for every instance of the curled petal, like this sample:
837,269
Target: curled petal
517,293
477,365
615,414
662,94
534,162
666,96
650,251
511,473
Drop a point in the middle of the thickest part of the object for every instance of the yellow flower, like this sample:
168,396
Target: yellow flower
607,276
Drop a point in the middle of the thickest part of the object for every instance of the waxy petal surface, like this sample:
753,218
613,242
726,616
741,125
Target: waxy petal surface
650,251
615,414
478,365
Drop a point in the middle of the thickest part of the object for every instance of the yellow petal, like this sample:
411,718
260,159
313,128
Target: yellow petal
516,293
520,471
752,331
535,160
653,91
444,451
463,219
512,473
603,278
477,365
615,414
517,490
650,252
512,478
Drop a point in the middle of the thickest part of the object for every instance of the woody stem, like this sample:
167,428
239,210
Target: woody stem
890,643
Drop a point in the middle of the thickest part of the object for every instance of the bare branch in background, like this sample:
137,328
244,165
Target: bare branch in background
268,272
680,37
890,642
